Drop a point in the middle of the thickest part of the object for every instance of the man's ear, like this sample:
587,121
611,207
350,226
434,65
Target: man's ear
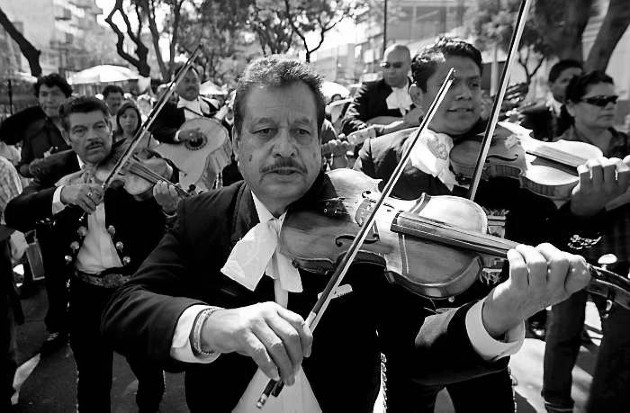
570,108
416,94
236,142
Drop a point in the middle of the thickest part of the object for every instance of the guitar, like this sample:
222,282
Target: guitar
200,161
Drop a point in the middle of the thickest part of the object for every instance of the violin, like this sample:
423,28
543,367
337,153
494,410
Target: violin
139,174
434,246
548,169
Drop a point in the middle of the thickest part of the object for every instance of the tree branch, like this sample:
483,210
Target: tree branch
30,52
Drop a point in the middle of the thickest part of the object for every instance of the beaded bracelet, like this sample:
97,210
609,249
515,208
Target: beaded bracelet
195,334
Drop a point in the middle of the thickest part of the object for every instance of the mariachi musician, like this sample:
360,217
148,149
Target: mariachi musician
39,127
204,301
101,237
170,127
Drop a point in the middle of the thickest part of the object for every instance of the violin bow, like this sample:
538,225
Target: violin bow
274,387
128,153
498,100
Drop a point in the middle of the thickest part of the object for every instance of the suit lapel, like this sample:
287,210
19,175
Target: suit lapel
245,215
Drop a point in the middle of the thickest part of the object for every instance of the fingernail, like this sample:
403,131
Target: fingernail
275,375
308,352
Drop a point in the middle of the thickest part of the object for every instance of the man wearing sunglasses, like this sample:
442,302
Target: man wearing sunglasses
384,106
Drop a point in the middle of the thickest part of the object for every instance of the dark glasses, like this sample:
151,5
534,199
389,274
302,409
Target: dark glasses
395,65
601,101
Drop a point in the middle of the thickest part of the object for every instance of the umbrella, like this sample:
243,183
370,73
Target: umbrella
209,88
103,74
330,89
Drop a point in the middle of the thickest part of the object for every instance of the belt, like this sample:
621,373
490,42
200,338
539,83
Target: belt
105,280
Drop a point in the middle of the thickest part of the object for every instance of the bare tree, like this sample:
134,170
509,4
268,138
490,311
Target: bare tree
318,16
30,52
270,24
140,61
613,27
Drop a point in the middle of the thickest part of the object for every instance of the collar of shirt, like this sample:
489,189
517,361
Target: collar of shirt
193,108
431,156
399,99
256,255
554,105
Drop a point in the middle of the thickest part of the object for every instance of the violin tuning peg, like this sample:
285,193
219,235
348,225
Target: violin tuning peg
111,230
607,259
126,260
74,246
68,259
120,246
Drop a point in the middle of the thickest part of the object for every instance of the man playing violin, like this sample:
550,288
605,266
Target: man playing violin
101,237
522,216
218,299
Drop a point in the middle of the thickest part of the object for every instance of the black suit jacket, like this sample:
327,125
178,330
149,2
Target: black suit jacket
528,217
138,225
544,123
170,119
37,133
369,102
344,368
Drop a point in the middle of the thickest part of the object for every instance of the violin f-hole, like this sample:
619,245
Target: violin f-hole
370,239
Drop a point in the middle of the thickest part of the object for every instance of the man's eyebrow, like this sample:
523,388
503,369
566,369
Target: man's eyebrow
303,121
262,120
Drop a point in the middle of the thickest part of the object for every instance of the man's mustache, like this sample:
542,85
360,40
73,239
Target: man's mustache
283,164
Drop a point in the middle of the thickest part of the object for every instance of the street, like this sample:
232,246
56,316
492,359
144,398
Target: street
47,385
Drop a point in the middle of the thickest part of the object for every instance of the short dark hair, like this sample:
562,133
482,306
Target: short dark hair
121,111
51,80
277,71
561,66
424,64
577,87
109,89
81,104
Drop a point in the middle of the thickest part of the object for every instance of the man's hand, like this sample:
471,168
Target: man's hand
35,166
274,337
190,134
359,136
539,277
601,181
166,196
85,196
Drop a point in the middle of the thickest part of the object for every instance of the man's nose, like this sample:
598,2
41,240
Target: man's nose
284,144
463,91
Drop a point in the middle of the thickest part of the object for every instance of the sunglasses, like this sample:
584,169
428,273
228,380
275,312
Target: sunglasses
601,101
395,65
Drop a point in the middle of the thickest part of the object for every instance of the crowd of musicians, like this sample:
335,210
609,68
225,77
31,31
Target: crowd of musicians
190,274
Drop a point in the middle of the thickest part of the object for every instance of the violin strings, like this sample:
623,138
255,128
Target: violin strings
559,156
152,176
483,240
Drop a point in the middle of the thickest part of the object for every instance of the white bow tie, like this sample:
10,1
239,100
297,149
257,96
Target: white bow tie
255,254
431,156
399,99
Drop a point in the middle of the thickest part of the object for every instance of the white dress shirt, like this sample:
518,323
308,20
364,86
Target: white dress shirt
97,253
